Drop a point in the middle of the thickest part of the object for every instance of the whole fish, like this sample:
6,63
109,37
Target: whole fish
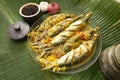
54,19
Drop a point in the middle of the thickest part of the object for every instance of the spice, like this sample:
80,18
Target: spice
29,10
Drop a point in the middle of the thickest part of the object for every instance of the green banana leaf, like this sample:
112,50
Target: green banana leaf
16,62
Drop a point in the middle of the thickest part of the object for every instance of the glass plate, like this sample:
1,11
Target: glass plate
78,67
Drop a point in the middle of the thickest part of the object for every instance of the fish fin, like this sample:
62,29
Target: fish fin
49,66
78,17
87,16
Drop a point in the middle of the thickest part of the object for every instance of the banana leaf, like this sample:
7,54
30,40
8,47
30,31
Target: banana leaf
16,62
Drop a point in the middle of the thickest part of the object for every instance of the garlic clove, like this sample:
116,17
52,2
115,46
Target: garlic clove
43,6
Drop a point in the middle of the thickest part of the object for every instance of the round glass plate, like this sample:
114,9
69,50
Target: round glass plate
75,68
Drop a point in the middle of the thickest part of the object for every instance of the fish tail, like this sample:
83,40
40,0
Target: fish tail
87,16
76,18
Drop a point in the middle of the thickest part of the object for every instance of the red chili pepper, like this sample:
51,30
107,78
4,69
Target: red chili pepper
83,35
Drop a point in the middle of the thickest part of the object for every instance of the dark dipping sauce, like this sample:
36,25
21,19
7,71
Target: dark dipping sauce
30,10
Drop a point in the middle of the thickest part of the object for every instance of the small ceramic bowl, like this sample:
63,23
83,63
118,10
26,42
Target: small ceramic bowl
30,12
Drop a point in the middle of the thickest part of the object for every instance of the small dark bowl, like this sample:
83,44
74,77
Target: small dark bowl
30,12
